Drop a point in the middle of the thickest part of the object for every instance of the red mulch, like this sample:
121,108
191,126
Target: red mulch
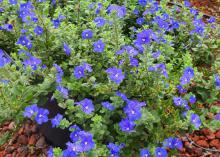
201,143
210,7
25,142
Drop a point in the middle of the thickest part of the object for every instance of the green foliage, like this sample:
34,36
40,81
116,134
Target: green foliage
160,118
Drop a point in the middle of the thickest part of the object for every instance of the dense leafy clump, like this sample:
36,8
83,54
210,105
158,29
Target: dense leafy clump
129,74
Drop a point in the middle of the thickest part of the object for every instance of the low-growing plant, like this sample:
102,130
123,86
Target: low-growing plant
128,73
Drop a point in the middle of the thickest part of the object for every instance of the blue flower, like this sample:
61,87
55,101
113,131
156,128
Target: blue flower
139,46
121,62
23,40
99,21
136,11
134,62
33,62
99,7
184,80
122,95
142,2
66,49
38,30
108,105
189,72
74,136
87,34
145,152
120,10
193,11
30,110
181,89
87,67
74,147
178,101
133,110
169,143
165,16
59,73
79,72
195,120
131,50
187,3
56,120
217,80
98,46
115,75
8,27
91,5
126,125
1,11
26,12
3,60
173,143
212,20
50,152
13,2
199,27
86,105
74,128
217,116
156,54
160,68
161,23
5,82
62,91
119,52
192,99
175,25
144,37
114,148
40,1
178,143
86,142
69,153
41,116
140,21
56,23
160,152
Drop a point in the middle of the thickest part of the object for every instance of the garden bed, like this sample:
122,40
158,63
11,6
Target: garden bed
109,78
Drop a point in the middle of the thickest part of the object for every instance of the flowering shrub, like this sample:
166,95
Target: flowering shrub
129,74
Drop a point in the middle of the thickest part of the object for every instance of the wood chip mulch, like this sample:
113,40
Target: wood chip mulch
25,142
202,143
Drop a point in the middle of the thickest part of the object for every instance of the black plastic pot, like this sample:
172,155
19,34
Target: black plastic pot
56,137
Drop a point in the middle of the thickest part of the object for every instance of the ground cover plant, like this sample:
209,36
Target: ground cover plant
129,74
